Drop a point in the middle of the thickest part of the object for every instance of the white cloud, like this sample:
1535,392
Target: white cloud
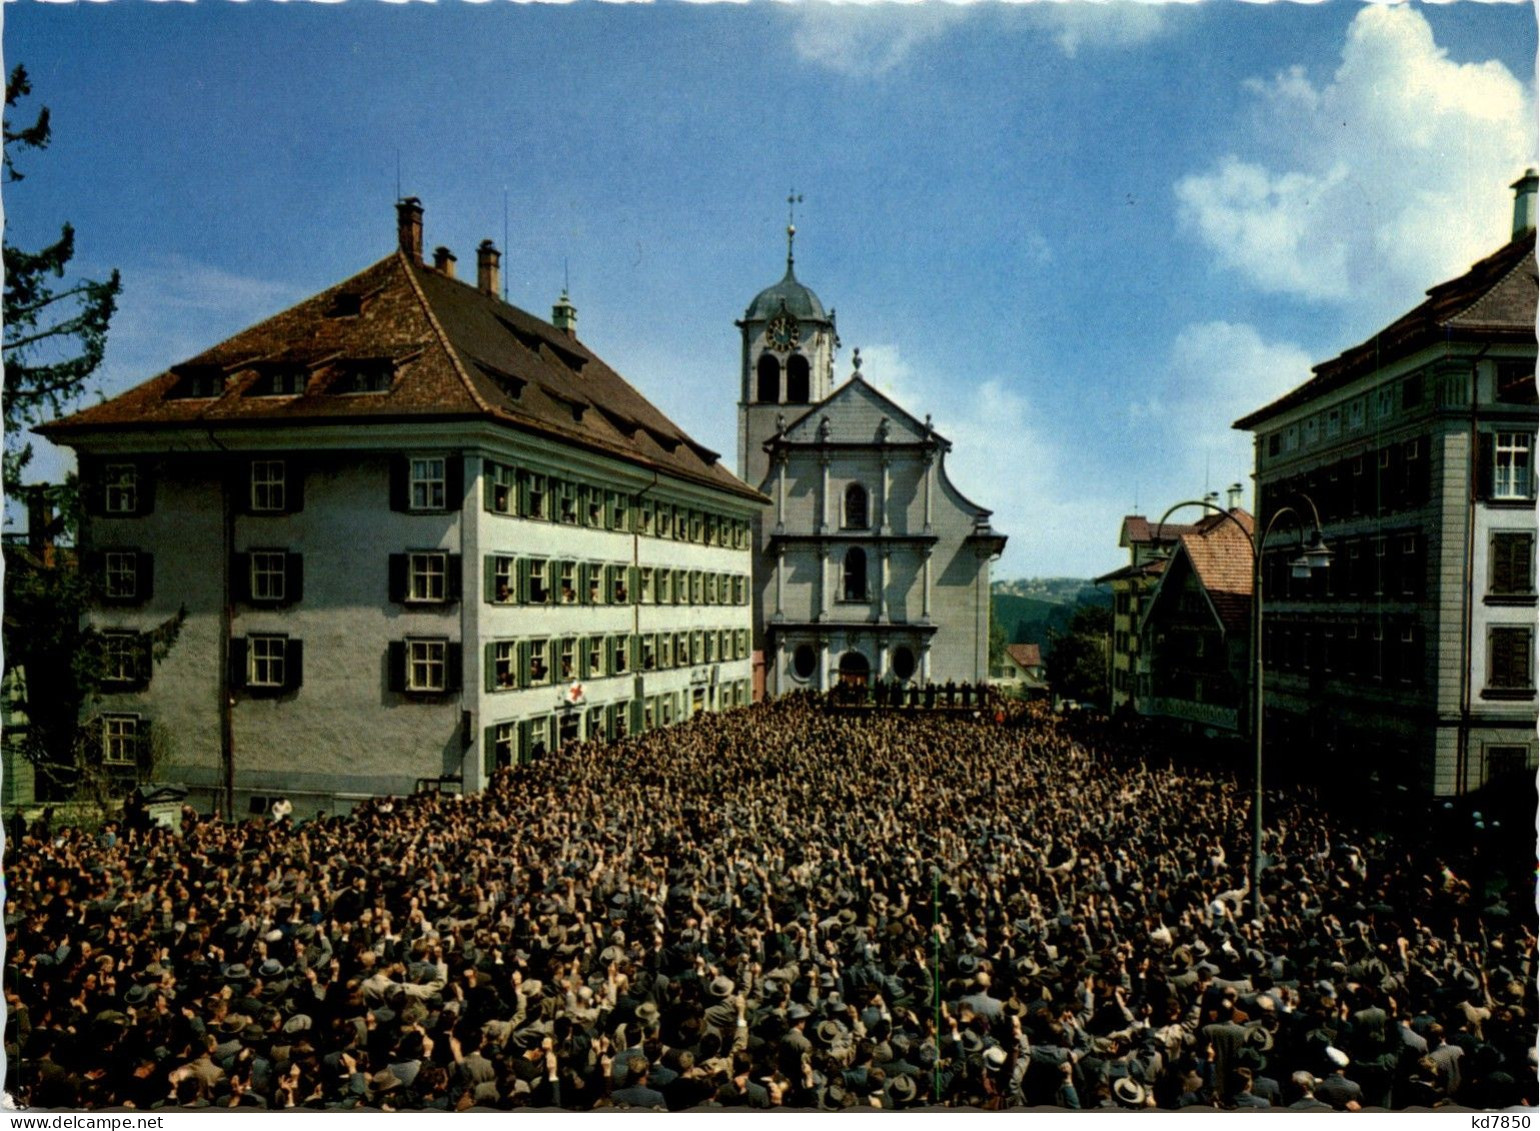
1100,24
866,38
1371,187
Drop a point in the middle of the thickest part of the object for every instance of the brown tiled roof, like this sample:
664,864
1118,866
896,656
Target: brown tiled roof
451,351
1026,656
1140,531
1494,300
1220,553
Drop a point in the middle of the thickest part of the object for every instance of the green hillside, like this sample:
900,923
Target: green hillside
1028,620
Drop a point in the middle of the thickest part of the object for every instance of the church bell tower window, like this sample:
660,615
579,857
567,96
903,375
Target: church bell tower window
799,379
768,390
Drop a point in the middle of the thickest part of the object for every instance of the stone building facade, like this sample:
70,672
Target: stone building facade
418,534
869,564
1412,657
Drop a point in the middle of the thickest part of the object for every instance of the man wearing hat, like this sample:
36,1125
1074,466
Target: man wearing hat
795,1045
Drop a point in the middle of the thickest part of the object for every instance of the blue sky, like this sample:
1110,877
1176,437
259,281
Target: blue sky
1085,237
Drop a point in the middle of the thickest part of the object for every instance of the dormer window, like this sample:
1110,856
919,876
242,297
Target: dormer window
280,380
364,375
199,381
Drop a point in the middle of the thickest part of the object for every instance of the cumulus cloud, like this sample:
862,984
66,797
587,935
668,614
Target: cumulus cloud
868,39
1215,373
1370,187
1099,24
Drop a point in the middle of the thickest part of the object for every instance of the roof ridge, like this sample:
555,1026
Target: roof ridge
443,336
1486,291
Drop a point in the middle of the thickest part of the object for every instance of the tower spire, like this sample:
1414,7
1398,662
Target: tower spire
793,199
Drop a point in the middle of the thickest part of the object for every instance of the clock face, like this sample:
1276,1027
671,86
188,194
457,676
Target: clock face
781,333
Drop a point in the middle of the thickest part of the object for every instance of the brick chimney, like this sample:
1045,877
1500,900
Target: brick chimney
409,227
487,257
1524,190
564,315
444,261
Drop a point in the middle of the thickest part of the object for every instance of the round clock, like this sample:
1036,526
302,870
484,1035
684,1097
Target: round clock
781,333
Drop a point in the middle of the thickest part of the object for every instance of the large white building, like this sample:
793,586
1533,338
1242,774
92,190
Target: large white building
870,565
418,534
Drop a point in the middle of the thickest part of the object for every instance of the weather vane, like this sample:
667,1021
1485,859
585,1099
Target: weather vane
793,199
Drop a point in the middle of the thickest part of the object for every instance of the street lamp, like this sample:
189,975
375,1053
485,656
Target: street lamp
1313,557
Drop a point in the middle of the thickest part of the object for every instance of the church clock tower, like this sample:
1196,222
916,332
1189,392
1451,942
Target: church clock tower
788,363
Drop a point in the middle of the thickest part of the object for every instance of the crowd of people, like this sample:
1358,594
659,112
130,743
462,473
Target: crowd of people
778,906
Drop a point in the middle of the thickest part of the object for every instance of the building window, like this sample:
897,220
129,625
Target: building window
594,585
539,582
501,753
1385,404
1511,467
1333,423
269,574
593,661
122,657
665,587
1291,438
1275,443
1310,431
855,574
593,507
120,739
502,487
120,575
1356,414
855,507
1513,564
1411,392
566,664
646,515
649,653
265,661
567,583
501,586
1506,761
711,589
798,379
537,499
504,665
767,379
427,665
120,488
539,664
666,649
426,576
804,661
711,648
620,510
697,588
697,527
267,485
644,579
427,484
619,649
1510,666
618,592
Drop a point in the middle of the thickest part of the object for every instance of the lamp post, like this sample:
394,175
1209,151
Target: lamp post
1316,556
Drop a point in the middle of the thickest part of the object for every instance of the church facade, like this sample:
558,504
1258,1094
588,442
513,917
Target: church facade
869,564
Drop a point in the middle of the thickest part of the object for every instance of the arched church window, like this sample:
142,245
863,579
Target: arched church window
855,574
855,507
903,662
768,389
799,379
804,661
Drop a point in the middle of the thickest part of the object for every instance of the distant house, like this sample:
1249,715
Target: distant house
1195,637
1020,669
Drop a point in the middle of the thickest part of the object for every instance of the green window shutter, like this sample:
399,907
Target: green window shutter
489,666
488,751
524,580
489,579
633,584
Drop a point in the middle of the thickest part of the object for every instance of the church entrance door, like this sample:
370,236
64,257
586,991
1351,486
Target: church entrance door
855,670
